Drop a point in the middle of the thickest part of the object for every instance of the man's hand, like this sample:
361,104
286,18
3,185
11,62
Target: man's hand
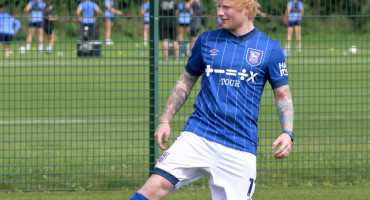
285,143
162,134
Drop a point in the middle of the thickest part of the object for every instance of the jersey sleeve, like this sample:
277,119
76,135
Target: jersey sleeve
95,6
17,25
277,70
195,65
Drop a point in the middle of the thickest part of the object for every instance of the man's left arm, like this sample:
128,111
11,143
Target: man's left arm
284,105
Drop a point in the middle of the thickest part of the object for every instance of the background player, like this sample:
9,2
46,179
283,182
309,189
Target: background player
145,8
49,27
88,9
220,137
167,26
294,11
35,22
184,18
196,9
109,19
9,26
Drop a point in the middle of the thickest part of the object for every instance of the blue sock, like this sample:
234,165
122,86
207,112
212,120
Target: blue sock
138,196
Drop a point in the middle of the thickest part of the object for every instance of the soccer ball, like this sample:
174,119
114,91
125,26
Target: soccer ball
22,50
352,50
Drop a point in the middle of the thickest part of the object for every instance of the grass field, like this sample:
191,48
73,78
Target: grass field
71,123
355,192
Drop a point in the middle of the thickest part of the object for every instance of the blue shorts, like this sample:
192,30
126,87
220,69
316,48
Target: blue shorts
294,23
5,38
35,24
184,25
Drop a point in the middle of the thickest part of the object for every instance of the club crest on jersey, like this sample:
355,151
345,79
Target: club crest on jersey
163,157
254,57
214,52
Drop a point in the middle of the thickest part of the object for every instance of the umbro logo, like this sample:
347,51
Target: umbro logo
214,52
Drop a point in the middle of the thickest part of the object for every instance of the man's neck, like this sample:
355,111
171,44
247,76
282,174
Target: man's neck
248,27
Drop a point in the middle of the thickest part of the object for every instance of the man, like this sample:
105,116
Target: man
109,19
49,27
184,18
220,137
145,11
167,26
196,9
87,8
9,26
35,8
294,11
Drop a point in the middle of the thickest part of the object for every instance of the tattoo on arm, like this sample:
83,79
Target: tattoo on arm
284,105
179,95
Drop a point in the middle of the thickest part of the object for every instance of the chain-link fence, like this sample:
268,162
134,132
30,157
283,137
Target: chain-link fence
80,112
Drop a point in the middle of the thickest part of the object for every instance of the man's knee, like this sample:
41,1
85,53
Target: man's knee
156,187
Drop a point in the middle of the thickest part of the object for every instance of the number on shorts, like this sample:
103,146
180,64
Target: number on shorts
251,186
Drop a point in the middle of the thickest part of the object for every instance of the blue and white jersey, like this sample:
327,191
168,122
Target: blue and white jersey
146,7
184,14
8,25
88,9
235,70
36,14
107,12
295,12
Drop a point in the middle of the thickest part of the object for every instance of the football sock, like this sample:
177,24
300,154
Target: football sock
299,47
138,196
287,47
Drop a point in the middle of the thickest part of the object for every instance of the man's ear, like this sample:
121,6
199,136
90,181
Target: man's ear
247,9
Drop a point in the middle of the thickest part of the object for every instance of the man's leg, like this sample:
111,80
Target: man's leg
297,30
6,50
31,31
165,49
155,188
40,32
289,38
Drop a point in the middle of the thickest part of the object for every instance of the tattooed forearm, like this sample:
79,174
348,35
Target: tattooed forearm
179,95
284,105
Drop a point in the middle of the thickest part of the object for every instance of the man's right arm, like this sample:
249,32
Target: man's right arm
179,95
176,100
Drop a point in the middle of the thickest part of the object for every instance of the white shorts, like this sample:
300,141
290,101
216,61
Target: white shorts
233,172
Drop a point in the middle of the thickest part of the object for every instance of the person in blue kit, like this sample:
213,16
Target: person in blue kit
145,8
88,9
35,9
220,137
184,18
294,12
9,26
196,9
109,13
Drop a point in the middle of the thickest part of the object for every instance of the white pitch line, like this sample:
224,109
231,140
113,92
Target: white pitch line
72,121
81,121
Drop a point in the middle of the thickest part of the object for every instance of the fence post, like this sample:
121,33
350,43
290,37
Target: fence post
154,89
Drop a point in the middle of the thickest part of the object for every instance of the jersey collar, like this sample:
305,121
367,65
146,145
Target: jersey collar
242,38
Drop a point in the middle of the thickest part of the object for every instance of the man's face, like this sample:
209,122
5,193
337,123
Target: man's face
232,18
